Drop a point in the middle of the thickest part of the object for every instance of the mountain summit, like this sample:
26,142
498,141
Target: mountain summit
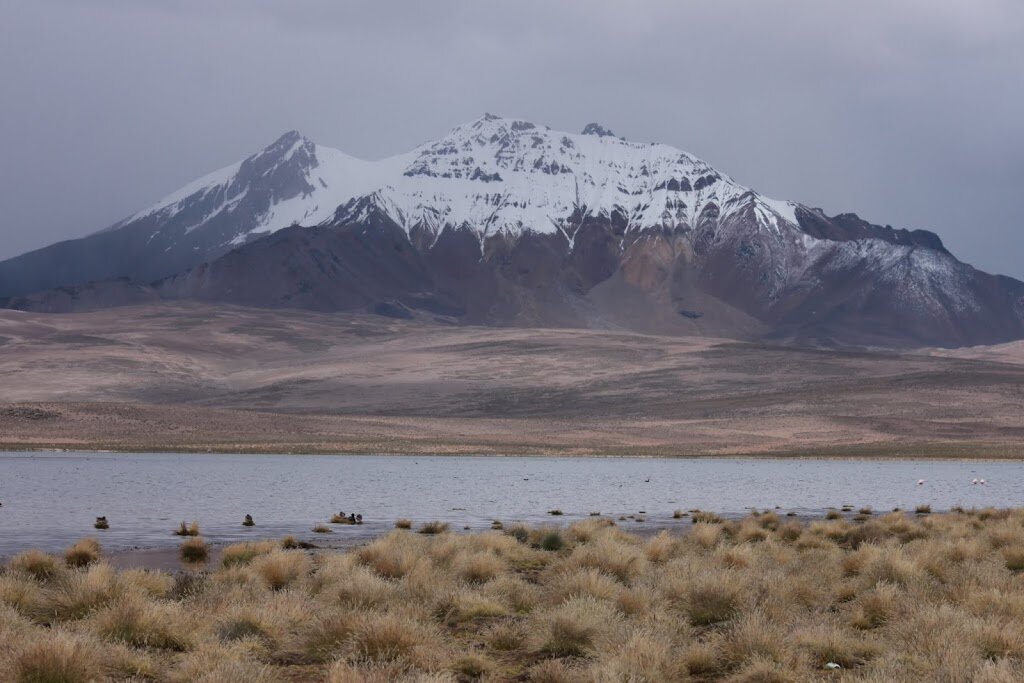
502,221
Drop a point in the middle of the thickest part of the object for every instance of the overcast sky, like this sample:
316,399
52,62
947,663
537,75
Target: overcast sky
909,113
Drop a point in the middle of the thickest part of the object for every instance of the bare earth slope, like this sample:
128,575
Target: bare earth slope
195,377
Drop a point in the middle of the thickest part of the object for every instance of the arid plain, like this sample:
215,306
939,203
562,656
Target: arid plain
199,378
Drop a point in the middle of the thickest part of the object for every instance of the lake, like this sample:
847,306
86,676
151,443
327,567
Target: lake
49,500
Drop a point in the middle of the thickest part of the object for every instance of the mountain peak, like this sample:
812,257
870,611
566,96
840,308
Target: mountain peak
491,125
598,130
518,212
289,137
287,143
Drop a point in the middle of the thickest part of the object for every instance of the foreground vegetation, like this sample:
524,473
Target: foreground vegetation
882,598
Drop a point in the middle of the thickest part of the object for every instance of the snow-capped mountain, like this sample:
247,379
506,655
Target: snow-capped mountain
498,175
502,221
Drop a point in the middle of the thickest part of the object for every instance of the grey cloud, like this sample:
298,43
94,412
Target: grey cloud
905,112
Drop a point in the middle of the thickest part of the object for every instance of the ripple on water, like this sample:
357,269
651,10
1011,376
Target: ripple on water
51,499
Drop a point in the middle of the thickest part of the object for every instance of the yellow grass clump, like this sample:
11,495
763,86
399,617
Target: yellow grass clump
243,553
35,563
194,550
894,597
83,553
58,657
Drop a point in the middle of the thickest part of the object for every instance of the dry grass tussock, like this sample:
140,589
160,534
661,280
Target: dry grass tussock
891,597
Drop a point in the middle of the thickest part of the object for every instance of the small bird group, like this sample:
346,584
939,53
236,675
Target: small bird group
351,519
978,481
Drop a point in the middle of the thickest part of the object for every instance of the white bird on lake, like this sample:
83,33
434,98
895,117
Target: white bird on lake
974,481
981,481
920,482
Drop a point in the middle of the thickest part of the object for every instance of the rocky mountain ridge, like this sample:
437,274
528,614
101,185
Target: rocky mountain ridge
504,222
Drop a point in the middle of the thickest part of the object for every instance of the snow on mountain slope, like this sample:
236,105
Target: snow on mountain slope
502,221
330,178
507,175
493,175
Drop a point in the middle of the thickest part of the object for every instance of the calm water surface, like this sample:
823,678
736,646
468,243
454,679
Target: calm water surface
49,500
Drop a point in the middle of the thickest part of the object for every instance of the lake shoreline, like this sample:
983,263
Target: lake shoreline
933,452
51,499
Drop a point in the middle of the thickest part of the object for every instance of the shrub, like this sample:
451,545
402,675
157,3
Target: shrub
83,553
142,624
833,514
751,532
194,550
583,583
553,671
462,607
57,658
704,517
556,512
706,535
925,599
506,637
388,559
1014,559
572,629
712,600
646,656
403,524
568,638
35,563
240,554
280,568
790,531
472,665
660,548
388,637
519,532
187,529
624,562
769,521
360,587
237,628
552,541
478,567
431,528
75,595
923,509
702,658
323,636
21,593
587,530
321,529
830,644
149,583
